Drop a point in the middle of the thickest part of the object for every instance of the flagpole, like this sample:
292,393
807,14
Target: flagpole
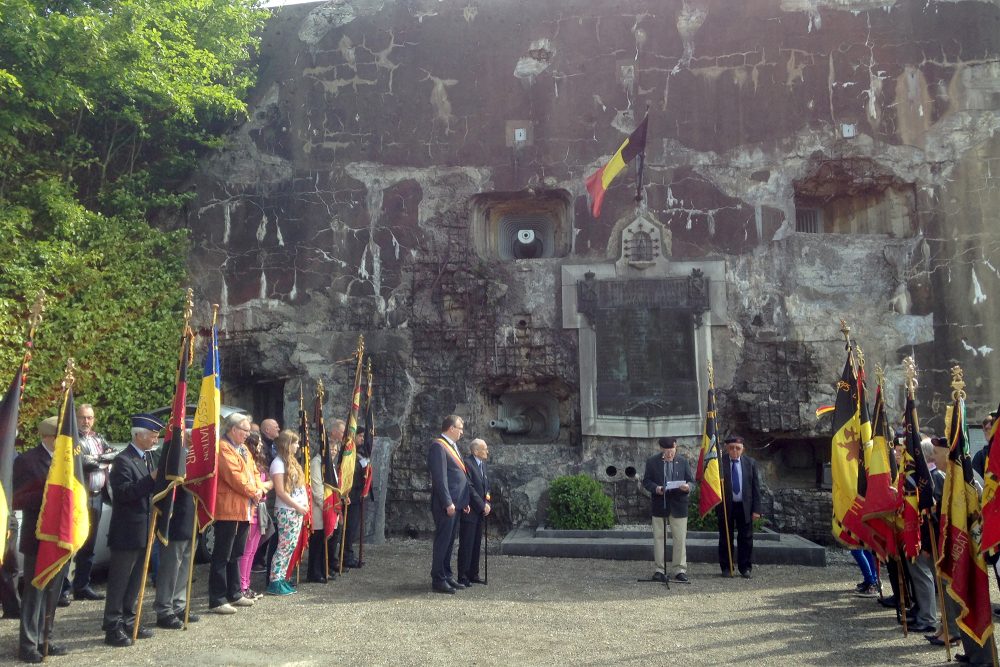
343,533
369,414
50,608
194,550
639,166
722,478
145,571
901,605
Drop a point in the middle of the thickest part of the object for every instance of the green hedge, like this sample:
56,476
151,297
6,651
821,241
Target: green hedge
577,502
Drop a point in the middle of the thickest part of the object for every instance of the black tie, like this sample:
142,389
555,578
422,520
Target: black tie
149,462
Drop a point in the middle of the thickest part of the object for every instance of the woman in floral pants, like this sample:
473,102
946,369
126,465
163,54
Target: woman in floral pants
291,504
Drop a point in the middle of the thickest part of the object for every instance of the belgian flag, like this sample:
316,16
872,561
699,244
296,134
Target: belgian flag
710,484
64,522
600,180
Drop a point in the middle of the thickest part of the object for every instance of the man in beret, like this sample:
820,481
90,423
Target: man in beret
31,469
741,488
668,479
133,475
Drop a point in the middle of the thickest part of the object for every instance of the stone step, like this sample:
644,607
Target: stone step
769,548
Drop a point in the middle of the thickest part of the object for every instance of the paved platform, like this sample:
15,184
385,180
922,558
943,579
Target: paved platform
769,548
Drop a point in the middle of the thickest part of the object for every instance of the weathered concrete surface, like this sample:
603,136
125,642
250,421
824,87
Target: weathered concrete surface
535,611
343,206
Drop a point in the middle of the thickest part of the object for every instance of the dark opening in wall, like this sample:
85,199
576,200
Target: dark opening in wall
854,196
521,225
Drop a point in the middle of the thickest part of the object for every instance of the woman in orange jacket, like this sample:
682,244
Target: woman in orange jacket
238,492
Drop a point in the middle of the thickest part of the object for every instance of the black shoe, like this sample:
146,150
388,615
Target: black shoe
465,583
889,602
939,641
477,580
169,623
57,649
659,576
30,655
443,587
745,574
921,628
351,562
316,580
961,657
144,632
192,617
87,593
117,637
455,584
726,574
681,577
64,600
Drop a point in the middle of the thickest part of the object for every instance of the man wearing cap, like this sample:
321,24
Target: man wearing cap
133,475
668,479
741,488
97,455
31,469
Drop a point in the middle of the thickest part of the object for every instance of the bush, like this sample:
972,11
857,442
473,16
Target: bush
696,523
577,502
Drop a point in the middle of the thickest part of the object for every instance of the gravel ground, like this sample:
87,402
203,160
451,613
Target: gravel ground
535,611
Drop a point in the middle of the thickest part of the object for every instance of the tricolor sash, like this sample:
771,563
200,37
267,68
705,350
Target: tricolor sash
452,453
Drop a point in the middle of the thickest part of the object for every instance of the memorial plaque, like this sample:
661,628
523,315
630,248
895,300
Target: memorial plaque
645,362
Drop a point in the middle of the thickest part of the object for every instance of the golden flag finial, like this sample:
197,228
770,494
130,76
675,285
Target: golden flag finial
957,384
320,391
69,375
879,375
910,369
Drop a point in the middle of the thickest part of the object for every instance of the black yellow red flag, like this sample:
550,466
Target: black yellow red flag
709,482
991,492
173,453
599,182
961,562
845,450
9,411
64,521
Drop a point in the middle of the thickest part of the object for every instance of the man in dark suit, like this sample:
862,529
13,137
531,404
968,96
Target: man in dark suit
31,469
664,470
133,475
353,522
741,488
449,498
471,525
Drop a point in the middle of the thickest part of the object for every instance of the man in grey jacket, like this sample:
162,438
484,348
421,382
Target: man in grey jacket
668,479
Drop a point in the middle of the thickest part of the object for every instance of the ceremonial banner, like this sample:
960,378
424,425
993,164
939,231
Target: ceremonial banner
64,522
961,563
203,453
845,448
173,453
709,482
599,182
367,444
347,458
328,468
881,500
863,532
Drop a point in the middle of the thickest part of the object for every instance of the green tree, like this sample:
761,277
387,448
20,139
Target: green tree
105,107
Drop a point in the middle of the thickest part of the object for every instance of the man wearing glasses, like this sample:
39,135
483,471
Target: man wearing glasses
449,496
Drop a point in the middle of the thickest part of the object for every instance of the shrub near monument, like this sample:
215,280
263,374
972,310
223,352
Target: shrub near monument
577,502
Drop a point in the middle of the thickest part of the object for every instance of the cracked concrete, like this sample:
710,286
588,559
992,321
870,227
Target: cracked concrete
342,205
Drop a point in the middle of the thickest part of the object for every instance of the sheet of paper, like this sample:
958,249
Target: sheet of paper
670,486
